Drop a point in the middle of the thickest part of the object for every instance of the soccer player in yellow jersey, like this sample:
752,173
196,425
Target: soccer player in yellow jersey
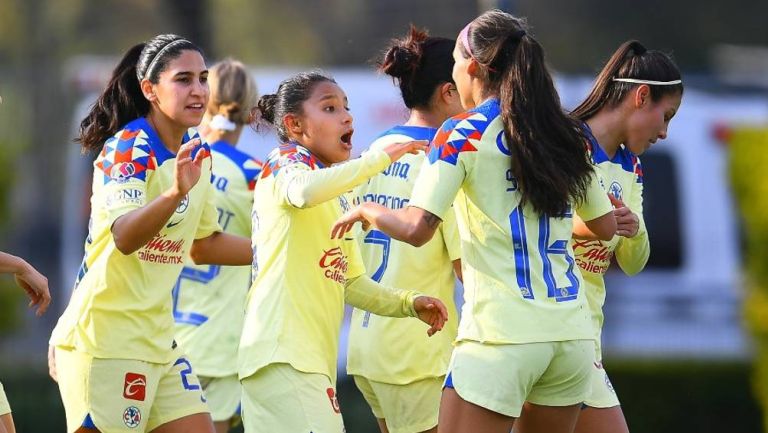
398,371
287,358
36,287
208,300
520,169
629,107
117,364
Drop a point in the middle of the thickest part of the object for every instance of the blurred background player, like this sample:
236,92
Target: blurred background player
209,300
519,167
399,372
288,351
629,107
36,287
116,360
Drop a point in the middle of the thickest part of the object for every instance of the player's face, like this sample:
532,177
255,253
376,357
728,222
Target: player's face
325,126
650,122
462,78
181,93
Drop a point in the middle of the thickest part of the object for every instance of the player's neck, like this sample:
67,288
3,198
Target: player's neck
169,133
230,137
425,118
605,127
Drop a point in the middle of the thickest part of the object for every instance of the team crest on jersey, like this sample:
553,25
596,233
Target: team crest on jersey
615,190
334,401
183,205
135,386
132,416
122,171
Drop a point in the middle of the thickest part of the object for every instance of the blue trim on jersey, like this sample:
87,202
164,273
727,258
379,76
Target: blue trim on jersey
415,132
88,422
623,156
238,157
449,381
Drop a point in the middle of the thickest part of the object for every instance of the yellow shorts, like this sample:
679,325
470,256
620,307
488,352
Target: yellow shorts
406,408
603,395
280,399
223,396
501,377
5,408
124,395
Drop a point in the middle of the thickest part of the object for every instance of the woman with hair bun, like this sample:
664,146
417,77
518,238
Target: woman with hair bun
515,169
398,371
294,311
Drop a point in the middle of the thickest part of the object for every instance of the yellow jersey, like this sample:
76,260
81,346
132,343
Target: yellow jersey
521,283
121,305
391,350
209,301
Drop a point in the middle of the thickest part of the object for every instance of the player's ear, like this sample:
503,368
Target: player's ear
147,90
292,124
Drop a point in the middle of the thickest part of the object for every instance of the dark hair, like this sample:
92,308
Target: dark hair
122,100
418,63
291,93
549,158
631,60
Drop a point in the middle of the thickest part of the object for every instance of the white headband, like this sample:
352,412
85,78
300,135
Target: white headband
651,82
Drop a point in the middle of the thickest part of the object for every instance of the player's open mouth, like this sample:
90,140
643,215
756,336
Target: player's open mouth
347,138
195,106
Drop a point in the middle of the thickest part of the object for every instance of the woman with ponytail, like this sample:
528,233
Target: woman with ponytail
113,350
629,107
398,371
520,169
294,311
208,300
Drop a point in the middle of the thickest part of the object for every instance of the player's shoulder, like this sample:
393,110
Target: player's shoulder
248,166
286,155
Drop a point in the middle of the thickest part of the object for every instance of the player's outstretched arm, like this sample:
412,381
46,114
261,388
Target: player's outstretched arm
28,278
222,249
413,225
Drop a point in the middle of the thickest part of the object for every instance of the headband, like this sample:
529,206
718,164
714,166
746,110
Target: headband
651,82
159,54
464,38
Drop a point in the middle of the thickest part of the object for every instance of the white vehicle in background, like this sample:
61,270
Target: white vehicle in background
686,303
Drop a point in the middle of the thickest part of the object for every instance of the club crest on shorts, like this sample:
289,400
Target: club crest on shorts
132,416
334,401
135,386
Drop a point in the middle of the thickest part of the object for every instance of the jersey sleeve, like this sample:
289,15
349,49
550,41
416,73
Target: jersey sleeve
124,176
632,253
450,231
300,186
596,203
442,175
209,219
364,293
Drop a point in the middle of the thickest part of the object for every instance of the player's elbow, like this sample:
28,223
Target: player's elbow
603,227
124,245
198,252
417,235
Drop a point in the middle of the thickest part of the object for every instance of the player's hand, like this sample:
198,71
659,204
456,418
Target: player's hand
397,150
187,170
52,363
36,286
431,311
627,222
343,225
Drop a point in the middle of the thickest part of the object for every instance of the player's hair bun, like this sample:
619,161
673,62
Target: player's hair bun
403,57
266,106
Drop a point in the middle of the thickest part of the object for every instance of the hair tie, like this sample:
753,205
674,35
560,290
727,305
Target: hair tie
221,123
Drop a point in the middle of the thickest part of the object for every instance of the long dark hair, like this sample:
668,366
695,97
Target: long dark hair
418,63
631,60
290,95
122,100
549,158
